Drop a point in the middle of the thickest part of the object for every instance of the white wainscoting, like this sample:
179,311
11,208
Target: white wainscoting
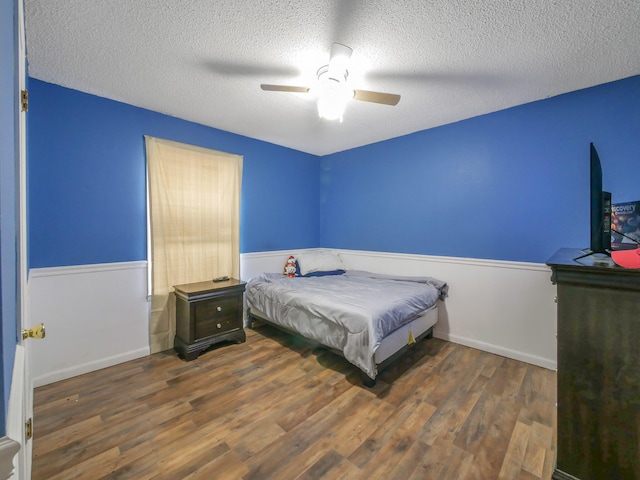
95,316
253,264
98,315
506,308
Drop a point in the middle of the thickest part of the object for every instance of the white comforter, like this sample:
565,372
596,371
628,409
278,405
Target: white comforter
352,312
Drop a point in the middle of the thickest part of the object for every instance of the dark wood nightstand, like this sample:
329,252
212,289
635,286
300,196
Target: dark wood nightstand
208,313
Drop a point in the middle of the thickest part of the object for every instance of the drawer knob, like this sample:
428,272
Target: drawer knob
219,309
219,326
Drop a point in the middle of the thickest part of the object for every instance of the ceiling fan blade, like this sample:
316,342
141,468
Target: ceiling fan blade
284,88
376,97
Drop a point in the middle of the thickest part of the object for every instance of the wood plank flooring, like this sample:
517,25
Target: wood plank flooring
278,407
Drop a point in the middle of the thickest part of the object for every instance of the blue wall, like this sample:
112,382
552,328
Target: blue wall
86,180
511,185
8,205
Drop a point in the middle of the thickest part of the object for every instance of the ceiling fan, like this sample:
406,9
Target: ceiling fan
332,89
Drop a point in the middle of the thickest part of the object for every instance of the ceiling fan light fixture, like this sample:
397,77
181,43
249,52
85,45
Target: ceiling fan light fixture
331,90
330,108
332,99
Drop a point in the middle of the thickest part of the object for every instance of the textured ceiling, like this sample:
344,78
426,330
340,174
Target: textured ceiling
204,60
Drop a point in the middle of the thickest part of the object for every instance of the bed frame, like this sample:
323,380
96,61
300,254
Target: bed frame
393,346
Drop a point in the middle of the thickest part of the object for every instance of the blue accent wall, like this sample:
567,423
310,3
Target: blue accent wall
8,201
86,180
510,185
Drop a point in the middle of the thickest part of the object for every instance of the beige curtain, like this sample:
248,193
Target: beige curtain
194,211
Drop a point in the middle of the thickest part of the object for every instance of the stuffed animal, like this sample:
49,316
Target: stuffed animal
290,267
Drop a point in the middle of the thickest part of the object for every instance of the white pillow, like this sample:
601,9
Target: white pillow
310,262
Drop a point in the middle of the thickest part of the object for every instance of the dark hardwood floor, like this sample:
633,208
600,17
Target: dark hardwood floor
277,407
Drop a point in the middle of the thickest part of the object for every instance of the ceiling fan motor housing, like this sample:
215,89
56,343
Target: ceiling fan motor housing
326,74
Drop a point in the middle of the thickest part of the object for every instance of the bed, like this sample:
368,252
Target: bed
368,318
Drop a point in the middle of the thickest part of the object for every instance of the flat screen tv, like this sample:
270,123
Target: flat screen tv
600,210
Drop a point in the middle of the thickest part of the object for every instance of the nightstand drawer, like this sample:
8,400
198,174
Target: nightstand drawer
217,316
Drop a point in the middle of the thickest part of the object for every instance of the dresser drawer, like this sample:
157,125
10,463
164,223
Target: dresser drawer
217,315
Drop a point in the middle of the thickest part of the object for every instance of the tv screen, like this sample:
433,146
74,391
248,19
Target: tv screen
600,208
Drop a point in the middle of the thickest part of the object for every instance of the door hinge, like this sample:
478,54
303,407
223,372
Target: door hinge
28,429
24,100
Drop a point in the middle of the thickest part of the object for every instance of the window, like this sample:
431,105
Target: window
194,224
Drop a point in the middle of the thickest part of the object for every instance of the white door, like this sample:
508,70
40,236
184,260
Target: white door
21,384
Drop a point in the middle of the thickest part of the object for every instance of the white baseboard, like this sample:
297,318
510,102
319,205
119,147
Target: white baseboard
496,349
14,450
74,371
8,450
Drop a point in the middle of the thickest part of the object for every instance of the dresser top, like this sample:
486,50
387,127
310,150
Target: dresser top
596,270
567,257
209,286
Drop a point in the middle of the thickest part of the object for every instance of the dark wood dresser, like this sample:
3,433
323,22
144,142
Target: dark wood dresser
598,369
208,313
